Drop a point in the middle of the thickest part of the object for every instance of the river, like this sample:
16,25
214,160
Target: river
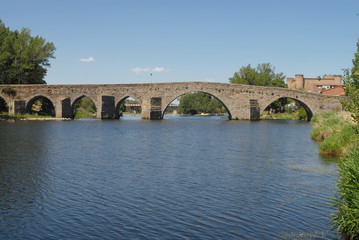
178,178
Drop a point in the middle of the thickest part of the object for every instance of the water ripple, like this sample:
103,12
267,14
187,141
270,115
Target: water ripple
181,178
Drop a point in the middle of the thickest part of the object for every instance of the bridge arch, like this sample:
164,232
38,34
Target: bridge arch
78,98
4,106
167,102
306,106
122,100
48,104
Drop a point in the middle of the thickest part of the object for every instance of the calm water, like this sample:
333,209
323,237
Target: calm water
179,178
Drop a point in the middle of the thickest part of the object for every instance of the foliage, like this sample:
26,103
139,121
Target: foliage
302,114
351,81
263,75
281,109
84,108
336,131
23,59
7,116
43,107
289,114
199,102
122,108
9,91
347,202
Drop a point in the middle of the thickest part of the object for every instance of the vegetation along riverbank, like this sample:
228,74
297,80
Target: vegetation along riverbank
339,135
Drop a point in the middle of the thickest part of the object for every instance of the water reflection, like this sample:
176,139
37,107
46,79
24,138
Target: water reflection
176,178
24,161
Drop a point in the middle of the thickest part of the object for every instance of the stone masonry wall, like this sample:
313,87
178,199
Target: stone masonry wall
241,101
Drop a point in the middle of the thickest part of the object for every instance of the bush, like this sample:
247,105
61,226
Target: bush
302,114
336,131
346,219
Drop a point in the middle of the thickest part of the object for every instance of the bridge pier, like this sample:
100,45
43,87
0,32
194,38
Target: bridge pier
17,107
63,108
108,108
255,110
152,108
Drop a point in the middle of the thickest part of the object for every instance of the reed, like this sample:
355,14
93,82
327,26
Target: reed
346,219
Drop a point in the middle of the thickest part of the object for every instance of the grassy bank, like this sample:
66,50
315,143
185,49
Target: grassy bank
287,115
6,116
346,218
338,136
336,132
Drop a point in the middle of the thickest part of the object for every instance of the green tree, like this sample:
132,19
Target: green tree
84,108
263,75
351,81
23,59
347,199
199,102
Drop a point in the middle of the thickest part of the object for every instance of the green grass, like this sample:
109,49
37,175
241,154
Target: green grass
7,116
336,132
346,219
287,115
84,114
339,136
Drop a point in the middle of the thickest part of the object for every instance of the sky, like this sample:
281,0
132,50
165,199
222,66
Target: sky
143,41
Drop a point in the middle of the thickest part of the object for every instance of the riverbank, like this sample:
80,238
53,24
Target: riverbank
284,116
339,136
7,117
336,132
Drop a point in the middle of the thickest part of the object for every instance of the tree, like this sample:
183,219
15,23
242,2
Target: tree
199,102
84,108
23,59
263,75
351,81
347,199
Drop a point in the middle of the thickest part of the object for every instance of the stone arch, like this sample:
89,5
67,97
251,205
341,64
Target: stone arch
76,99
167,103
4,105
121,100
81,96
30,101
306,106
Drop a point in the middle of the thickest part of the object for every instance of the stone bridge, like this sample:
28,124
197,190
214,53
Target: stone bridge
241,101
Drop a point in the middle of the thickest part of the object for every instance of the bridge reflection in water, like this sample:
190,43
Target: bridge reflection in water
241,101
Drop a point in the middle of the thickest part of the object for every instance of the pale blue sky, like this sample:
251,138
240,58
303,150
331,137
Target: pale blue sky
125,41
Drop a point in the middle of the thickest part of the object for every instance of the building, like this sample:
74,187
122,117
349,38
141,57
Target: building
338,90
315,85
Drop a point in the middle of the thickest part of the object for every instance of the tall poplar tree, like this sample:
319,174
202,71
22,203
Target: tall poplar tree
23,58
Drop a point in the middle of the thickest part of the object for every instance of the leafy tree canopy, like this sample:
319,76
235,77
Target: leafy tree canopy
199,102
263,75
23,58
351,81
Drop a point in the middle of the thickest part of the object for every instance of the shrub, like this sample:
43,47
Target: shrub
337,132
346,219
302,114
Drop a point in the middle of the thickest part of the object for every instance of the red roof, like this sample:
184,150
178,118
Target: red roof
338,90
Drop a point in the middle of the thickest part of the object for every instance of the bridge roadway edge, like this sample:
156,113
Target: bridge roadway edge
241,101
